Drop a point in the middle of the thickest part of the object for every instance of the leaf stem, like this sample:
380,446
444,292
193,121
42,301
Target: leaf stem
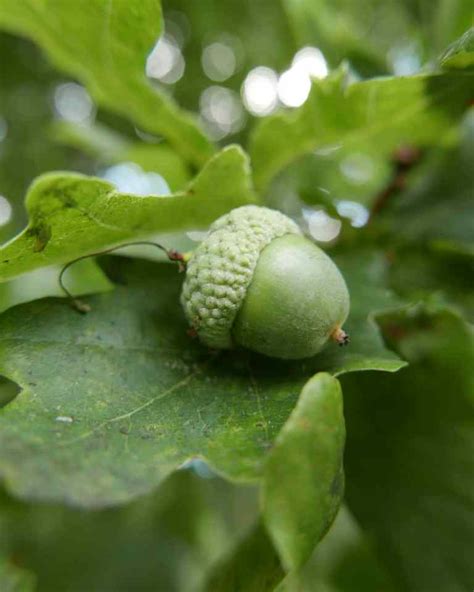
82,307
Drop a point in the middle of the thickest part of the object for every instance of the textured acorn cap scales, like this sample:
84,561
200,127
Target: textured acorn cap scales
222,267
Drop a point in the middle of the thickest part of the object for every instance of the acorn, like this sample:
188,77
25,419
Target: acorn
257,282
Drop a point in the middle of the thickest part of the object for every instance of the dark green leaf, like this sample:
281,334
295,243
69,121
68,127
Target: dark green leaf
72,215
410,451
105,47
140,397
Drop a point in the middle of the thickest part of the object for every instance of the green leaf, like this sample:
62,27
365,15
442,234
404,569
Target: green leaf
72,215
410,451
386,112
141,397
303,479
460,54
109,147
105,47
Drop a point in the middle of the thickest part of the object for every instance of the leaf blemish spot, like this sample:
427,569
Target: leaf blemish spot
42,233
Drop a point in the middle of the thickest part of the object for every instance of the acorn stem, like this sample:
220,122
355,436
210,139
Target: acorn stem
340,336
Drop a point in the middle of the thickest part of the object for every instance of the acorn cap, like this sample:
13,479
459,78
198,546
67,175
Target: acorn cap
221,269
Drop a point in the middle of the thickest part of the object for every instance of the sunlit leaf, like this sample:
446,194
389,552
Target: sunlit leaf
72,215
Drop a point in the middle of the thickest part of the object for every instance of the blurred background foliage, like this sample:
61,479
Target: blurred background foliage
231,63
214,59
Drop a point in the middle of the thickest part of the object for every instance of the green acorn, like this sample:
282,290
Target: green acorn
257,282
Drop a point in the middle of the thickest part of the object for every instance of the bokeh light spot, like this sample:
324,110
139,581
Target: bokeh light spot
165,62
73,103
354,211
405,59
322,227
259,91
6,211
128,177
218,61
311,61
222,112
293,87
358,168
